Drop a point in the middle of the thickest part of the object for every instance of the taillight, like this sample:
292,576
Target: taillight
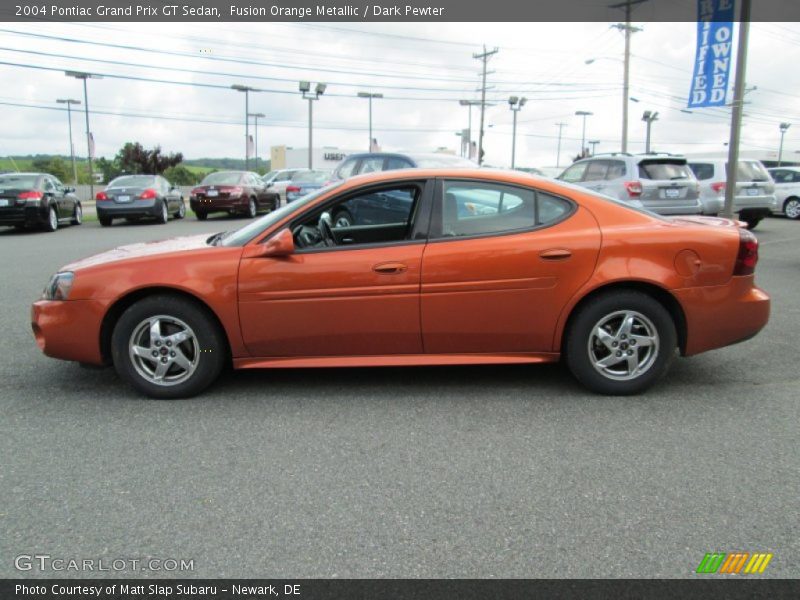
718,187
148,194
747,257
292,188
100,196
31,195
634,188
235,192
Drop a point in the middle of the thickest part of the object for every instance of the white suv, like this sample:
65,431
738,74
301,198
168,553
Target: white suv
787,190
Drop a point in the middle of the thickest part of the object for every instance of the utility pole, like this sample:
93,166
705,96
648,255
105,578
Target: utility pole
369,96
558,152
584,114
89,138
305,90
484,58
648,117
69,102
784,127
256,116
246,89
628,29
738,105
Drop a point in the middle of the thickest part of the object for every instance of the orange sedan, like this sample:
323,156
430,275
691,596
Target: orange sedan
431,267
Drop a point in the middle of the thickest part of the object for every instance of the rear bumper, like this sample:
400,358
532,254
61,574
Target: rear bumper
24,215
765,204
219,204
69,330
718,316
137,208
694,209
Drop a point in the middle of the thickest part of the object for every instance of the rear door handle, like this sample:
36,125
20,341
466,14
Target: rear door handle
390,268
555,254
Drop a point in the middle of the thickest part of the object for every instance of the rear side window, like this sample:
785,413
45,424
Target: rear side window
616,169
397,163
347,168
596,171
702,171
663,170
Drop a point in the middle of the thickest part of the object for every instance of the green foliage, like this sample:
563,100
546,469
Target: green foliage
54,166
133,158
180,175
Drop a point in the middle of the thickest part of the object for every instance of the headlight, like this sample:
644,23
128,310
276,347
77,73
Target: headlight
59,286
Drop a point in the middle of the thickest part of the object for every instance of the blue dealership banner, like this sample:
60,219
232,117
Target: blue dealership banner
712,63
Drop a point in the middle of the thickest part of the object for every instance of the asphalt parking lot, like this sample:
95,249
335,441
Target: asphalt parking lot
425,472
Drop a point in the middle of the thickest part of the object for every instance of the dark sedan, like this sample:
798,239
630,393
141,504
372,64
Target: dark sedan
37,200
233,192
134,197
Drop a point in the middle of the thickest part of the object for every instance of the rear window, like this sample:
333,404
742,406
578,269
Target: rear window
311,177
18,182
702,171
751,170
222,178
664,170
132,181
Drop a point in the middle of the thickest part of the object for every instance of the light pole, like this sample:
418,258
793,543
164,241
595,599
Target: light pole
584,114
784,127
69,102
246,89
256,116
593,144
515,104
369,96
648,117
305,89
89,141
469,104
558,152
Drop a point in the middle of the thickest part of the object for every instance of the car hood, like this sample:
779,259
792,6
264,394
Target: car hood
169,246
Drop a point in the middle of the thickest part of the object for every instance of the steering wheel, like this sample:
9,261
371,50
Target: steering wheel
325,227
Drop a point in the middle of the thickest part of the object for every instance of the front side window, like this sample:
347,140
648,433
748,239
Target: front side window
574,173
377,216
347,169
371,165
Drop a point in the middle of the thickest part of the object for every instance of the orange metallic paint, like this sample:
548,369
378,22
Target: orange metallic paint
492,299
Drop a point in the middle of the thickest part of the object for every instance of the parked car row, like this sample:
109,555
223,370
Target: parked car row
29,200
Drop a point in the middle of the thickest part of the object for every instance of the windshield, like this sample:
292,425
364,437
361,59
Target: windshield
311,177
443,160
132,181
269,176
222,178
241,236
18,182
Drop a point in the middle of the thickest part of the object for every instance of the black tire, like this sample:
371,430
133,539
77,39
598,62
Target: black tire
20,227
201,216
77,215
163,216
791,208
105,221
343,219
752,222
207,356
51,224
582,347
181,212
252,208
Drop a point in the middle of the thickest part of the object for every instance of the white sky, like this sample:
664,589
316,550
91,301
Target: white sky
543,61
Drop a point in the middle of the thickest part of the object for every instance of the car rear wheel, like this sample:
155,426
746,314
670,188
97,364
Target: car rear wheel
252,209
168,347
52,220
181,210
105,221
791,208
343,219
620,343
752,222
77,216
163,217
201,216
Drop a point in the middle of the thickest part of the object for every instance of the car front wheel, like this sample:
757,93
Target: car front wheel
792,208
620,343
77,216
168,347
181,210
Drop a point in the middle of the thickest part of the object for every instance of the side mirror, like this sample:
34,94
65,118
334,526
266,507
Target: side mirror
69,190
281,244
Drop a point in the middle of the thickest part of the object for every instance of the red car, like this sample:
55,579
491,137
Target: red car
483,267
232,192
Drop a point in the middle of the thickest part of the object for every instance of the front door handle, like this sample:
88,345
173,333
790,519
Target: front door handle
555,254
390,268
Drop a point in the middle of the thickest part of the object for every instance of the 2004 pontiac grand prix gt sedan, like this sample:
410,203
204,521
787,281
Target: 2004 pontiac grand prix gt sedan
478,267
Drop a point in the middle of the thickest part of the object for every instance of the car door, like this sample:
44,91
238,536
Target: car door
66,201
501,264
360,297
55,198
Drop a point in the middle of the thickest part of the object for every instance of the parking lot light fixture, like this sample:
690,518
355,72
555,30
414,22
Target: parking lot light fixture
246,89
89,142
469,104
784,128
69,102
256,116
593,144
305,90
369,96
648,117
584,114
515,103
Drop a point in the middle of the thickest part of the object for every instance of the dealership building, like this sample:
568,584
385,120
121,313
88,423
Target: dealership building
326,157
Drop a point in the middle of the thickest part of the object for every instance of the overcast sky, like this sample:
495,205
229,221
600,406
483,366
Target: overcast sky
422,70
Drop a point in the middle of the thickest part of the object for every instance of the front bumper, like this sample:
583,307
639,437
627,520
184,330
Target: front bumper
722,315
69,329
137,208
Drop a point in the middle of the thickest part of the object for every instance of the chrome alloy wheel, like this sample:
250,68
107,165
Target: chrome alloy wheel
164,350
52,219
623,345
792,209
